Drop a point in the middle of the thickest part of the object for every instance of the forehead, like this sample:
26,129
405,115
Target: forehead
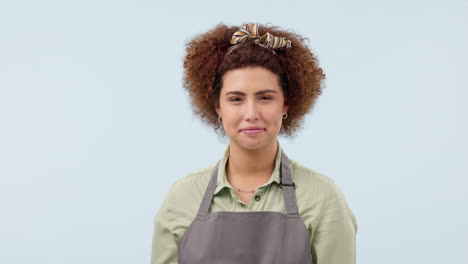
250,79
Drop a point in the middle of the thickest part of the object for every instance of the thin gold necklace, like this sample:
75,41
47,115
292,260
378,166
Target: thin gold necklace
246,191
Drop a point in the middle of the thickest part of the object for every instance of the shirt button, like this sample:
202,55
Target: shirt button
257,197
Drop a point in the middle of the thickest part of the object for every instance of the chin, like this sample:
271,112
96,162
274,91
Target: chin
252,146
251,143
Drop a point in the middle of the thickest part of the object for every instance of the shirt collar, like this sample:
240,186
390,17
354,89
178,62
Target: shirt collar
222,181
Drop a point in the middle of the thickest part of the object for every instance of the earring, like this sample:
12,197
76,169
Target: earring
285,116
219,119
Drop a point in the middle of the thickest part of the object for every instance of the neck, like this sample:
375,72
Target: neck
250,168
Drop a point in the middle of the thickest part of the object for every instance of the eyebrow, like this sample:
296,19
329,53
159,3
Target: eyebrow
257,93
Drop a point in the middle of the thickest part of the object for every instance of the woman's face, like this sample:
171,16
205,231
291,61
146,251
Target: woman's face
251,98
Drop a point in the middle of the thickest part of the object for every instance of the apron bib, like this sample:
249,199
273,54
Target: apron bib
260,237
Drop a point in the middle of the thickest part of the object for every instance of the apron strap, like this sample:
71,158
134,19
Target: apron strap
209,193
288,186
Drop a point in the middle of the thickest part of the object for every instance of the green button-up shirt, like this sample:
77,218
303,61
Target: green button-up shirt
331,224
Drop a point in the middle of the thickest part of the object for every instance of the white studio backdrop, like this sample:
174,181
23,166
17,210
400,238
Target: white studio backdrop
95,125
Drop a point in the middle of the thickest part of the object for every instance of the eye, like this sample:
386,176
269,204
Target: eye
234,99
266,97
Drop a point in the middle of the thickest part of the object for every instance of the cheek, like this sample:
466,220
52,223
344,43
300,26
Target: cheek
232,117
275,118
278,122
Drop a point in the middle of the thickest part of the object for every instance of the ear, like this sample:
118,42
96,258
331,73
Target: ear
285,108
217,108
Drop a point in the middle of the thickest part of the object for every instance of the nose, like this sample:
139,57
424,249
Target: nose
252,111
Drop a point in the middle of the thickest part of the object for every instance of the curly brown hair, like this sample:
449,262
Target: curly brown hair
207,61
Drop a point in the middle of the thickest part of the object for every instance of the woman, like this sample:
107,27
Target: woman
255,205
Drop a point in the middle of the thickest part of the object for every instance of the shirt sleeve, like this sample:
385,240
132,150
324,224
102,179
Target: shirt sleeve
334,239
165,241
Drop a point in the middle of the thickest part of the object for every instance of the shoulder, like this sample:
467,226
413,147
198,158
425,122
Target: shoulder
186,193
191,186
182,201
196,178
312,185
318,195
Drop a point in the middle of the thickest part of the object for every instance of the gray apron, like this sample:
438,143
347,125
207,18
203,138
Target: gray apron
260,237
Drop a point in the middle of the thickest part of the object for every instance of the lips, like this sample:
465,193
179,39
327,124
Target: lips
252,128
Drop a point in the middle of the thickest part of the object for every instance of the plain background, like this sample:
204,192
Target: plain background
95,125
